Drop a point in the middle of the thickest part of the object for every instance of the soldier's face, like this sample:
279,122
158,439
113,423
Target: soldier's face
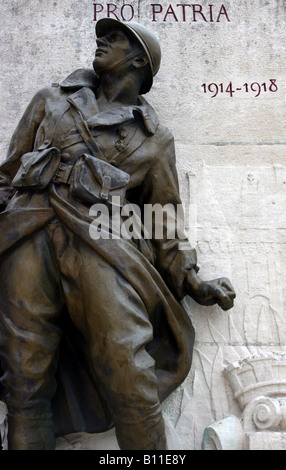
112,48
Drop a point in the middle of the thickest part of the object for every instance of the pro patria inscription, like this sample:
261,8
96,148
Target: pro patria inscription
181,12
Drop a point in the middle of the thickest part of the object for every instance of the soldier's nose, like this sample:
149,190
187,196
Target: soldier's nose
101,42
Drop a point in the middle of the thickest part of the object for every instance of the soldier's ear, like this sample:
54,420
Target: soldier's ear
140,61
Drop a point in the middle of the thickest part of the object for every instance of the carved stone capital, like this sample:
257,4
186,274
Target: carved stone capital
257,376
265,413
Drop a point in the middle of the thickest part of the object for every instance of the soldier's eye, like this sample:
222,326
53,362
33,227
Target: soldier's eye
116,37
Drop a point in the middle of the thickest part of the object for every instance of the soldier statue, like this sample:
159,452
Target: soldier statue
93,334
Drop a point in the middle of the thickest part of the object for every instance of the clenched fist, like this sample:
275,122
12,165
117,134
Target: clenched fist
217,291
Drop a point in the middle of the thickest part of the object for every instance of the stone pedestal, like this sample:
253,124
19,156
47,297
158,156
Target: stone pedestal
3,426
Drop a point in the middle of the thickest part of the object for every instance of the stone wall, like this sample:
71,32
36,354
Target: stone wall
221,91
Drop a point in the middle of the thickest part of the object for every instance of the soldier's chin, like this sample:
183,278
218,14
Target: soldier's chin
97,66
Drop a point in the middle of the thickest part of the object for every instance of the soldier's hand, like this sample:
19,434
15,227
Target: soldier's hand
217,291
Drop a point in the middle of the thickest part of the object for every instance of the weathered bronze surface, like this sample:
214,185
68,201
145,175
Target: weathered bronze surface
93,334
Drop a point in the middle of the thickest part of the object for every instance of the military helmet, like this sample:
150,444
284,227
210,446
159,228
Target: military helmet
144,37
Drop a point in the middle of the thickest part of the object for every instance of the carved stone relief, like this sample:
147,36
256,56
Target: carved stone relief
255,248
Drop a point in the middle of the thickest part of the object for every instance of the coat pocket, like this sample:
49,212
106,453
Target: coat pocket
37,169
96,181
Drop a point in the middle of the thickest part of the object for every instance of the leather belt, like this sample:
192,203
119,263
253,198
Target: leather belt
63,173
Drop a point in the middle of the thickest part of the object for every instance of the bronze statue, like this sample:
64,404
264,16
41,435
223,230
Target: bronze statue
93,334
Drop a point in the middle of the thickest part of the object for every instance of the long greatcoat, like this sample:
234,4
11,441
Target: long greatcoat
131,139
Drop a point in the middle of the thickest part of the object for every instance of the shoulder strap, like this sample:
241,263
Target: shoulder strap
85,133
88,138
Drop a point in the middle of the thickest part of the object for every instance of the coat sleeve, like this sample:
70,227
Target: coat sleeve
174,255
22,142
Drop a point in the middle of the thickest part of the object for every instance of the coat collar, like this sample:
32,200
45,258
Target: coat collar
84,82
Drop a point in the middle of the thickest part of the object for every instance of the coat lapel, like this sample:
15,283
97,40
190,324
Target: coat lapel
84,101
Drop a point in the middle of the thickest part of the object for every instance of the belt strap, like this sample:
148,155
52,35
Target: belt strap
63,173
